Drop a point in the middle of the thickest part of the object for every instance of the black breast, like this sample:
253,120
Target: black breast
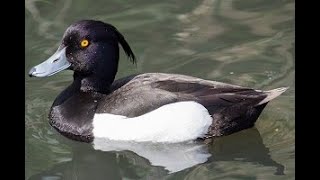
73,116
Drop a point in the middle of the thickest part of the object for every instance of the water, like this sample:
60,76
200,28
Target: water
249,43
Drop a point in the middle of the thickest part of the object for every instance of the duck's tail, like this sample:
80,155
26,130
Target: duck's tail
241,116
271,94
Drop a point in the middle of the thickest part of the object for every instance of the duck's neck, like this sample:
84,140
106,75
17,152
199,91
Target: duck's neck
92,83
73,110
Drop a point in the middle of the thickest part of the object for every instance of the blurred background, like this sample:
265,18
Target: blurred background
248,43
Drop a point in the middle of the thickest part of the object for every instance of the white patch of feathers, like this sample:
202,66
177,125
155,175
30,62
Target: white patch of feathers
171,123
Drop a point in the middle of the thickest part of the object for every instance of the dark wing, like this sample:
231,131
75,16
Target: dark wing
138,94
211,94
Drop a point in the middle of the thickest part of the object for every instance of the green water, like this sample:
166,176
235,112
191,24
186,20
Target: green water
249,43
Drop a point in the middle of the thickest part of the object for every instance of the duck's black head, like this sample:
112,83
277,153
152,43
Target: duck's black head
91,49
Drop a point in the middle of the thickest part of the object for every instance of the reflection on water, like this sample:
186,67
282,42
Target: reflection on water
137,160
173,157
249,43
246,146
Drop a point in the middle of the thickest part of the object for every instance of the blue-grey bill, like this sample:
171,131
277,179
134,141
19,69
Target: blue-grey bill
54,64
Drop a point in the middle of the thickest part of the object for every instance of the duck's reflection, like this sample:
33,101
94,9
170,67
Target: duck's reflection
114,160
245,146
173,157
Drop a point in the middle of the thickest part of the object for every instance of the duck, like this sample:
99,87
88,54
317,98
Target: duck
144,107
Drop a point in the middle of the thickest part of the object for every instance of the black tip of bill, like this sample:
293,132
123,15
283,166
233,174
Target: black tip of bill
32,70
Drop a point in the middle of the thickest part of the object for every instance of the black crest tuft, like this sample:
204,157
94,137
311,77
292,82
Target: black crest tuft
124,44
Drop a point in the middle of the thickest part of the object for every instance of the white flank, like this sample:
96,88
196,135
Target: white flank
171,123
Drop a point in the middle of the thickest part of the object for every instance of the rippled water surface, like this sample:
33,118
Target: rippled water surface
249,43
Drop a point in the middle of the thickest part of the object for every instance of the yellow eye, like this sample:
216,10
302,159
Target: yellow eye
84,43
